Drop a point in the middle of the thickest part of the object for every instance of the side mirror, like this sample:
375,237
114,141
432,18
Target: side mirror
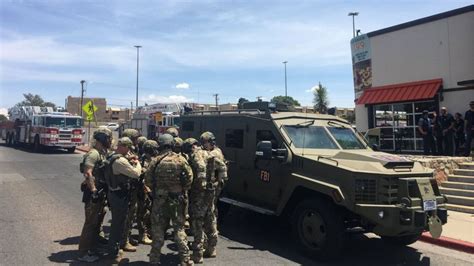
264,150
375,147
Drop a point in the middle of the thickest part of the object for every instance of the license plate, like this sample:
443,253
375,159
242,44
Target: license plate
429,205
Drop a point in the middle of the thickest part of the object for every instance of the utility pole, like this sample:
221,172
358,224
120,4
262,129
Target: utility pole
286,87
217,101
138,61
131,109
82,95
353,14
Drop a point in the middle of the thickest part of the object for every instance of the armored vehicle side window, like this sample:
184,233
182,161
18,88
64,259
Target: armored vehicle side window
234,138
346,138
267,135
310,137
187,126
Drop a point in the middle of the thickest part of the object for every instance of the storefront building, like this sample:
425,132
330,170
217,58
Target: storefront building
402,70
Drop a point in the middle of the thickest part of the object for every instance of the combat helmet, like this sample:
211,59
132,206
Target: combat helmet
104,136
141,140
173,132
150,147
131,133
188,145
207,137
165,141
125,141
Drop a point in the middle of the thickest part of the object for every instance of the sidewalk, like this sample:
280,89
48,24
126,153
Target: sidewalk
457,234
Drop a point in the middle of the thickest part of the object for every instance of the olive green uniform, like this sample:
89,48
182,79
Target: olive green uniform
94,208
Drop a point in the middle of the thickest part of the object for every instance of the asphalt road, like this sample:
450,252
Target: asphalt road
41,217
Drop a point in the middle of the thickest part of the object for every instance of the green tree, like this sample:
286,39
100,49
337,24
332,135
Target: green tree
3,118
34,100
288,100
320,99
241,102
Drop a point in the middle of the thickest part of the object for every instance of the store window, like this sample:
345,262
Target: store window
398,125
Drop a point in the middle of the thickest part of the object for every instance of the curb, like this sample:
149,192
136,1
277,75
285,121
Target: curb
449,243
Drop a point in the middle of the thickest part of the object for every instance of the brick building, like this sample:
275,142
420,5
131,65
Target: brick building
73,106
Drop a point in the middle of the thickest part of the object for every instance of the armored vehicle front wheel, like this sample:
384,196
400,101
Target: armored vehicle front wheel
402,240
71,150
318,228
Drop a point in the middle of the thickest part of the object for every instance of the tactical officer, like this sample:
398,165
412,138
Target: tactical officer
94,190
173,132
169,176
425,128
202,196
134,135
216,170
178,143
150,150
119,174
140,141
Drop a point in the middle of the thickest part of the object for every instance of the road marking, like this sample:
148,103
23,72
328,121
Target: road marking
5,178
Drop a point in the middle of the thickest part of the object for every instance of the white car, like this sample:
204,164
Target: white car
111,126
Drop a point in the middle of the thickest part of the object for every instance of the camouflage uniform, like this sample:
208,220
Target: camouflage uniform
216,172
169,176
201,203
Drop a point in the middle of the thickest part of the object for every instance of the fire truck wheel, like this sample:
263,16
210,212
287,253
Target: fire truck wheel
71,150
36,144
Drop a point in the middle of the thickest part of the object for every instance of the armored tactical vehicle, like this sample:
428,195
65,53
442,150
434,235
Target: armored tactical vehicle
315,170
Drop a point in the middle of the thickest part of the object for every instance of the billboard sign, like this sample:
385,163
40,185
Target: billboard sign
361,63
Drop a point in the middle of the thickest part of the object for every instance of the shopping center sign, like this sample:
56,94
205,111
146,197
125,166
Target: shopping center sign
361,63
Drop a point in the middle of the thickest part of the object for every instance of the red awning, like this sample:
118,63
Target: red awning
404,92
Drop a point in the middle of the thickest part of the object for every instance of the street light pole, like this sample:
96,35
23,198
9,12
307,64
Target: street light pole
82,95
353,14
286,87
138,63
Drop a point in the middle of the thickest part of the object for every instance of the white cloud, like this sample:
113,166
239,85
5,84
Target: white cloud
182,86
32,50
152,98
3,111
313,89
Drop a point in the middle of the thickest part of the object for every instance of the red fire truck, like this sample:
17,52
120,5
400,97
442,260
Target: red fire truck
41,127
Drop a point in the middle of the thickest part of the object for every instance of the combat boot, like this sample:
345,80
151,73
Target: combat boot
129,247
144,239
197,257
210,252
117,258
187,262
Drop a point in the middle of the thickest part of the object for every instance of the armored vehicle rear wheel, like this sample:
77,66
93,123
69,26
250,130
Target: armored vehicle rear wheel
318,228
402,240
71,150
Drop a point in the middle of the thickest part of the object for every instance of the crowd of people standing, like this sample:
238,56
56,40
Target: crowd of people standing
445,134
163,184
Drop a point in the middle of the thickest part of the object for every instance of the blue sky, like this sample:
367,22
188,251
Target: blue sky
191,49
